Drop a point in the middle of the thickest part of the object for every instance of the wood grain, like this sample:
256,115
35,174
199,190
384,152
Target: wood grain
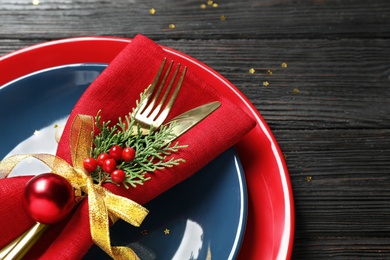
329,109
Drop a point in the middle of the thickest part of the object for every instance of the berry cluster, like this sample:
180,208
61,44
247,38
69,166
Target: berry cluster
108,162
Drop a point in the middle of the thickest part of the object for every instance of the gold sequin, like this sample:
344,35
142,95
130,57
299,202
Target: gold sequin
296,90
152,11
202,6
265,83
269,72
215,5
308,178
222,18
209,2
284,65
252,71
166,231
172,26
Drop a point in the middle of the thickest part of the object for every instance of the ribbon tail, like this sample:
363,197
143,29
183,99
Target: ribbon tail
81,140
126,209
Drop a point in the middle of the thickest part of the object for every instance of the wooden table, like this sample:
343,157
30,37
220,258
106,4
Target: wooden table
321,81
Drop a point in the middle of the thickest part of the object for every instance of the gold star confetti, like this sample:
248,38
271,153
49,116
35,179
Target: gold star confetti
172,26
252,71
35,2
209,2
308,178
222,18
202,6
215,5
265,83
152,11
166,231
36,132
296,90
269,72
284,65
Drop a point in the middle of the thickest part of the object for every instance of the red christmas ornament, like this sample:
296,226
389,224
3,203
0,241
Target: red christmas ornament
48,198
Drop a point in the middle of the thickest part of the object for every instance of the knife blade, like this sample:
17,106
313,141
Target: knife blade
190,118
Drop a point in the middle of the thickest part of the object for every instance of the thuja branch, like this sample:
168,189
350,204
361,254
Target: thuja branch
151,151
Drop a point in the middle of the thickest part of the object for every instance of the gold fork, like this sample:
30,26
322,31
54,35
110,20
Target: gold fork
155,108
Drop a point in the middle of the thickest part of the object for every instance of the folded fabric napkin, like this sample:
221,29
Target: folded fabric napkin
114,92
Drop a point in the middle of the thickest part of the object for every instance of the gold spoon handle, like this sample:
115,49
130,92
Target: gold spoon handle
20,246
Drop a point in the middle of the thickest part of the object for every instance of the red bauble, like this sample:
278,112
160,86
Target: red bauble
48,198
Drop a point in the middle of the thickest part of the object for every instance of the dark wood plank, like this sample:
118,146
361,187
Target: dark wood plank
244,19
341,181
326,85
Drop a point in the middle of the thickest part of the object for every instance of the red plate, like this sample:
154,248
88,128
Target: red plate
270,226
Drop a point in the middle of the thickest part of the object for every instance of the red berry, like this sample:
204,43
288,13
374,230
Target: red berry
118,176
102,157
128,154
109,165
116,152
90,164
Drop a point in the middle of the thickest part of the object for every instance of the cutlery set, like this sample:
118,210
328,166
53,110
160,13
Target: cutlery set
152,113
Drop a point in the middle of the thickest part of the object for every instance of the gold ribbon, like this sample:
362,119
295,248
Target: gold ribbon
102,203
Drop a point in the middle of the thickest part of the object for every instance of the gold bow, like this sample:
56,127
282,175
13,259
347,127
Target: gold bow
102,203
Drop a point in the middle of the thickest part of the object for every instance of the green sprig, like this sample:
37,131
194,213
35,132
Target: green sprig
152,150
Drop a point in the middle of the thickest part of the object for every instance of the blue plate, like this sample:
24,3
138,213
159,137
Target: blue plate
203,216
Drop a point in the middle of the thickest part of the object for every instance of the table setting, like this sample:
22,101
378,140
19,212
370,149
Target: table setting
191,136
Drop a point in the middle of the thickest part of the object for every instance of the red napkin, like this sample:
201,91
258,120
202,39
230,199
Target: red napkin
115,92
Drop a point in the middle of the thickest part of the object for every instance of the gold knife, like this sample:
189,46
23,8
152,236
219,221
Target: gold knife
189,119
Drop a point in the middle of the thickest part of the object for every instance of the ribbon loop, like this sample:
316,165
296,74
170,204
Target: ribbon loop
101,202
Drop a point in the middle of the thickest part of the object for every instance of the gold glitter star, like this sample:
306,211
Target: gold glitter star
284,65
296,90
252,71
265,83
308,178
172,26
166,231
222,18
152,11
35,2
269,72
202,6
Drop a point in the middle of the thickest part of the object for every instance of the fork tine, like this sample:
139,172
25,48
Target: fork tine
169,105
157,109
152,86
158,92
